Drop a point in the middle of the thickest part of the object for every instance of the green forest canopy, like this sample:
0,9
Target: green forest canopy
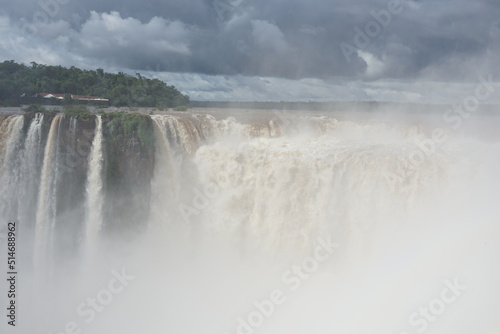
19,83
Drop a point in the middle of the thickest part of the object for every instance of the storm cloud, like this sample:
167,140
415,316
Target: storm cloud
292,41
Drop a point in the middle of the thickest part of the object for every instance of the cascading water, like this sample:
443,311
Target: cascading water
165,191
30,169
252,196
94,190
11,143
47,201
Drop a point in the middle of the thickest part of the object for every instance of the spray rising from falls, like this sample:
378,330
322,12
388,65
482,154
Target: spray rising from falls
246,180
198,175
233,190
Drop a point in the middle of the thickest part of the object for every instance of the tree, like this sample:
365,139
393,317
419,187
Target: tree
18,80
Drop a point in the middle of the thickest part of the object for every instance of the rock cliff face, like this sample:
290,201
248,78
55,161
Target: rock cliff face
45,171
129,166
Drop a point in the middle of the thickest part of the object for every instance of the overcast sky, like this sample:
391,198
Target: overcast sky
419,51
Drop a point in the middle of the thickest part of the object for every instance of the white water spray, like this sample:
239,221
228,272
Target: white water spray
403,227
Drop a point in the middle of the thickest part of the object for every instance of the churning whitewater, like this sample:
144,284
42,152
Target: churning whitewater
201,207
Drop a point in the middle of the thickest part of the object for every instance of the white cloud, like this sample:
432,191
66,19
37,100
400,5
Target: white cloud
108,32
374,66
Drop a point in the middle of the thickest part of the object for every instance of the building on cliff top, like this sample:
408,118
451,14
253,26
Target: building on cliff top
76,98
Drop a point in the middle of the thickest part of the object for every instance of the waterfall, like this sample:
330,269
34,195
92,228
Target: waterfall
162,179
11,143
172,146
73,125
246,179
224,207
224,175
47,201
94,191
30,170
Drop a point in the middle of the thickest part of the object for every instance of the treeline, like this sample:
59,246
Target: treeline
20,83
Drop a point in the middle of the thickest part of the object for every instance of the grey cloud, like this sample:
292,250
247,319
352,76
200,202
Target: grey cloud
437,40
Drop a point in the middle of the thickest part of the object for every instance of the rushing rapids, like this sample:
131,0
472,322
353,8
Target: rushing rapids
270,186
